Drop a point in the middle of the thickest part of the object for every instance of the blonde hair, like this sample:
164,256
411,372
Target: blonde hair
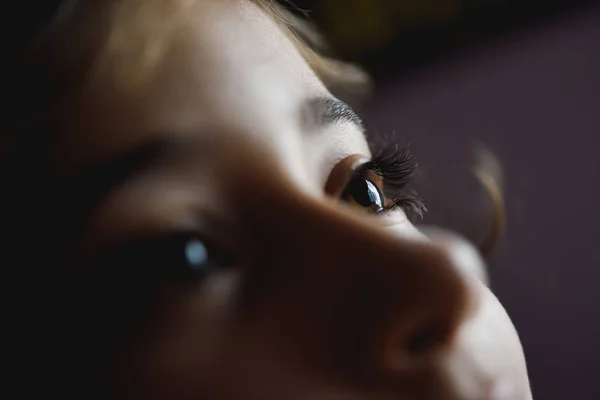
140,33
132,37
346,80
131,20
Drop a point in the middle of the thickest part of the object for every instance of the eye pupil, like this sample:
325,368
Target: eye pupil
364,193
196,254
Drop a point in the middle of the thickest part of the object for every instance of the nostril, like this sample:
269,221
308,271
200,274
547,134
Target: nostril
426,340
409,349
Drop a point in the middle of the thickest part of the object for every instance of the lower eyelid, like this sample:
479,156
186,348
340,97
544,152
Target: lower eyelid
398,224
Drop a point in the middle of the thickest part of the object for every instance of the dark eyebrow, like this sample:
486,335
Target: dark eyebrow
325,111
88,186
85,188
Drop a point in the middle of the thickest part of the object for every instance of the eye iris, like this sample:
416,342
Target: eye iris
196,254
364,193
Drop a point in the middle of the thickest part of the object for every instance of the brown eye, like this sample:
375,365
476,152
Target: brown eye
147,265
361,192
128,280
179,257
123,287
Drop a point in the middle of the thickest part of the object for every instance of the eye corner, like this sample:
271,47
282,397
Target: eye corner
411,205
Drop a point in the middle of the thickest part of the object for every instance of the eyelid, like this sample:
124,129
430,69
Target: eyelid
343,172
369,170
197,222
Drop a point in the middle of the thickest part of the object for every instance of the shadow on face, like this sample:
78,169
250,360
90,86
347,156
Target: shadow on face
230,234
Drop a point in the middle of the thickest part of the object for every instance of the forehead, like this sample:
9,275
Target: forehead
228,64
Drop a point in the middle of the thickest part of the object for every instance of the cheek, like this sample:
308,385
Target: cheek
185,338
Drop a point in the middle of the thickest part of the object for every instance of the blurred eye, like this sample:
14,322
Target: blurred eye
179,257
122,287
363,193
150,263
122,283
196,254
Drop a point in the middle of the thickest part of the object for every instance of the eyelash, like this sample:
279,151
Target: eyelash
397,167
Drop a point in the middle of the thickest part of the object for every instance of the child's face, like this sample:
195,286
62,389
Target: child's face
278,278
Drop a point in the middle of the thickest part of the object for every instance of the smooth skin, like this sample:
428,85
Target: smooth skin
325,301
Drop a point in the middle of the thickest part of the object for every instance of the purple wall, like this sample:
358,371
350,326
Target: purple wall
534,99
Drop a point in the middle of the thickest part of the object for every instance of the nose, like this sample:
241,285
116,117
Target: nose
346,291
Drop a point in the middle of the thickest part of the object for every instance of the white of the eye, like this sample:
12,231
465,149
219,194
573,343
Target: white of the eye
196,253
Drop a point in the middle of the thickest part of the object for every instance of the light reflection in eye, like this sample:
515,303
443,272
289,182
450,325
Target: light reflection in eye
196,254
375,196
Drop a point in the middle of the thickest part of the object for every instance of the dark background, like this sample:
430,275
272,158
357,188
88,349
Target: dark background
522,78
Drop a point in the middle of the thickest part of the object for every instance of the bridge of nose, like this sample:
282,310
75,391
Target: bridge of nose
346,285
